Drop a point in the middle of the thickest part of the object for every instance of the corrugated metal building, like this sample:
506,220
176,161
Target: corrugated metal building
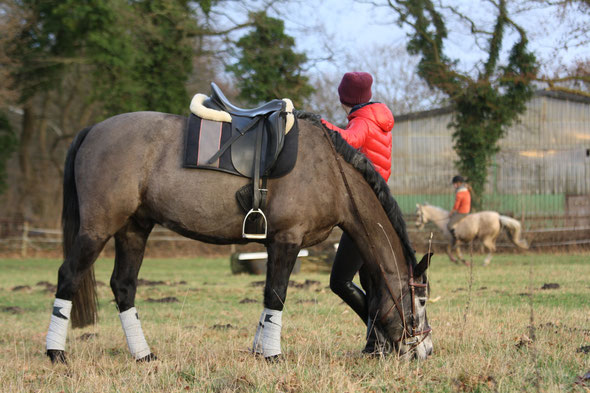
543,167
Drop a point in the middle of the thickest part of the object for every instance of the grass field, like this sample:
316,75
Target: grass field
481,332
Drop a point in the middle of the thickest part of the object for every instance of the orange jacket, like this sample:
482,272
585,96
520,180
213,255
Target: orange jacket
369,130
462,201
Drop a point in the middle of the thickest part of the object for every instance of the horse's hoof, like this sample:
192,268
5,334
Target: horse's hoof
274,359
57,356
148,358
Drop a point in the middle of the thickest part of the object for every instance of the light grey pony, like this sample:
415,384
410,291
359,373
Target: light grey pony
484,226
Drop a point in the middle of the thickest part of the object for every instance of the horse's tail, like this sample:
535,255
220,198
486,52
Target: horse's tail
85,301
514,231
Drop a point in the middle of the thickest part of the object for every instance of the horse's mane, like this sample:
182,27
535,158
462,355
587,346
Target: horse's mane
435,207
362,164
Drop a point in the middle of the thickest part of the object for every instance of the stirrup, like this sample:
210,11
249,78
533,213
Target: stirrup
254,212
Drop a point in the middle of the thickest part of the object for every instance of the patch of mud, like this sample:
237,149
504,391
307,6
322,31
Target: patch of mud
48,287
307,301
247,300
222,327
524,294
550,285
21,288
304,285
13,310
584,349
169,299
307,284
149,283
558,327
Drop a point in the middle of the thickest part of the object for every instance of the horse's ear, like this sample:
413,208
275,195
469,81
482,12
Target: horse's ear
423,265
417,206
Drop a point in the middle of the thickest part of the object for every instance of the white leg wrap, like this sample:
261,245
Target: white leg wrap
271,332
135,338
257,346
58,327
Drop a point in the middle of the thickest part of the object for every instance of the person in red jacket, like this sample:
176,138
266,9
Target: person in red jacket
462,205
368,130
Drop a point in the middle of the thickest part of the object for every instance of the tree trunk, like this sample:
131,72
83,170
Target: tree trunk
25,208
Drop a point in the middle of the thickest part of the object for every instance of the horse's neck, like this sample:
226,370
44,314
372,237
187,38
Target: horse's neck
438,216
376,243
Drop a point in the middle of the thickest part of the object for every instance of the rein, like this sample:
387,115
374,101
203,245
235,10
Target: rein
413,333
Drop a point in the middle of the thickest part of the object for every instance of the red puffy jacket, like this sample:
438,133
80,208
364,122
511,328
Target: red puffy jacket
369,130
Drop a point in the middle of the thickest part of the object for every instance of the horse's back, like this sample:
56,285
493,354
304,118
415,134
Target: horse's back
132,133
485,223
126,146
116,159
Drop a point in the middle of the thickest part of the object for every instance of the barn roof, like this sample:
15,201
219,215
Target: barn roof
558,95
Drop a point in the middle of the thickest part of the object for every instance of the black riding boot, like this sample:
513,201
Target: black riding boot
352,295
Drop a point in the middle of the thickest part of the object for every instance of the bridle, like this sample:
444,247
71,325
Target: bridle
411,336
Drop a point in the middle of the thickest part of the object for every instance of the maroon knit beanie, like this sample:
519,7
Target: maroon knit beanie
355,88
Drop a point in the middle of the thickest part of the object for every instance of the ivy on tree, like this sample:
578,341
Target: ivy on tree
268,67
485,105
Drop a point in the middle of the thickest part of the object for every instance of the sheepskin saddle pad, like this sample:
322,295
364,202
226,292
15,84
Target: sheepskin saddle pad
223,137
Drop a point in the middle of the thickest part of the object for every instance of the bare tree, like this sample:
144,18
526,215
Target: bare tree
396,83
556,73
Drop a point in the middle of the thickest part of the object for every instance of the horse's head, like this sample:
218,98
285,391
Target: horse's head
421,219
400,321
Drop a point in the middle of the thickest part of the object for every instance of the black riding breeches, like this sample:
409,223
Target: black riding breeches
347,263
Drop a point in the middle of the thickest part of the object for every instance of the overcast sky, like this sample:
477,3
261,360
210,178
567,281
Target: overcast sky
351,26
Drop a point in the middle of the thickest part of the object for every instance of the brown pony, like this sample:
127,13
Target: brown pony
124,175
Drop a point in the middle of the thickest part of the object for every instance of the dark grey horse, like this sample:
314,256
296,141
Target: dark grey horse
124,175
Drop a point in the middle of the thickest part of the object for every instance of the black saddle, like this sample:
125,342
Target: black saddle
220,102
257,139
266,123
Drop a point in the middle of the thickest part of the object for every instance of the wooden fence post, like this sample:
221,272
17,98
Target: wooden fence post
25,240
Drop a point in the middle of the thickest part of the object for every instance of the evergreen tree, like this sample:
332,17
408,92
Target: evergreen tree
166,53
135,55
268,67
